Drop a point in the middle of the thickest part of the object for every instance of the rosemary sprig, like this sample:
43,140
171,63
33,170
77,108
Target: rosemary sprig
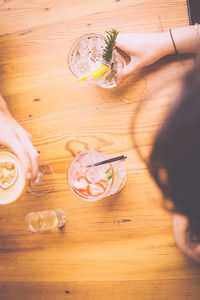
110,42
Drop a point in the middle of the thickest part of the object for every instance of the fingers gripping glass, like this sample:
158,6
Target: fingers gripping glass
45,180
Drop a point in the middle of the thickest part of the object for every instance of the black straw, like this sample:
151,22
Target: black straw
107,161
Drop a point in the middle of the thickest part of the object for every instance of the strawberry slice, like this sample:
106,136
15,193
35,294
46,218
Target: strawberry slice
81,183
104,183
96,189
83,194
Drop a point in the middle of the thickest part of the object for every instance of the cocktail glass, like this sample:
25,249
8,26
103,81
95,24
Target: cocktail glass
45,220
96,182
85,56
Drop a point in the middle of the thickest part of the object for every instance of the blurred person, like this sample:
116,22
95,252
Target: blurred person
174,162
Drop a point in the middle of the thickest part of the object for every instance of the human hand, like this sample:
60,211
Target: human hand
143,49
18,140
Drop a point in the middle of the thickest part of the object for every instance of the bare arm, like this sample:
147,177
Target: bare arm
18,140
146,48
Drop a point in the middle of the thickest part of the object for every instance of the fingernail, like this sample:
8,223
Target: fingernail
33,183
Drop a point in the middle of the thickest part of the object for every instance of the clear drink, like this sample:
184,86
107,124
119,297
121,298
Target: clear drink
85,56
97,182
12,180
45,220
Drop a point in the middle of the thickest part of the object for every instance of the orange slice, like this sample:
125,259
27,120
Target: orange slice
8,174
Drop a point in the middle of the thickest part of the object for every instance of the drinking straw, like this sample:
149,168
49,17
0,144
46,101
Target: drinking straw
107,161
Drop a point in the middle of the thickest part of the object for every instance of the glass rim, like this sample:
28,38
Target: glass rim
76,42
23,188
105,194
28,227
12,155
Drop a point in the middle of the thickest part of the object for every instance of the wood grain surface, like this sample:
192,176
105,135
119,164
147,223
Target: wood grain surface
121,247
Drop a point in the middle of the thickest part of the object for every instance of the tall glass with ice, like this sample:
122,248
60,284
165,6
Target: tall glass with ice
92,183
85,57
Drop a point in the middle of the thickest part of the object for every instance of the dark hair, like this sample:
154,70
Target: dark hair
175,158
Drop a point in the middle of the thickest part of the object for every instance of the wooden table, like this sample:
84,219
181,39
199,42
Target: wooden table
121,247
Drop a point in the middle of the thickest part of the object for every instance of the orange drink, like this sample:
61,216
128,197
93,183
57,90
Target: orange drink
12,180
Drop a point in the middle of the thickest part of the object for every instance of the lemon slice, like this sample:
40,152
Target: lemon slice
8,174
96,73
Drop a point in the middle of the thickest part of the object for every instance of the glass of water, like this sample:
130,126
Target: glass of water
86,55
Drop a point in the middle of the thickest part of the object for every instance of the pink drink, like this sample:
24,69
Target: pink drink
96,182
